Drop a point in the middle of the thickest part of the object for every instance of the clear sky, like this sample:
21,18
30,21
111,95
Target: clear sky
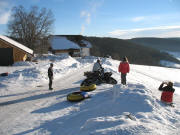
106,18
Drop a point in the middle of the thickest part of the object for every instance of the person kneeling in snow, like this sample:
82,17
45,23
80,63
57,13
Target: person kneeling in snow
98,69
97,66
167,92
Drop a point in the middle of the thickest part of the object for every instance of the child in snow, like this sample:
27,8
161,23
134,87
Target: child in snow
124,69
97,66
50,75
98,69
167,92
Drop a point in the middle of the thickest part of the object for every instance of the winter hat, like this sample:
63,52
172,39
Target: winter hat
125,58
98,61
170,84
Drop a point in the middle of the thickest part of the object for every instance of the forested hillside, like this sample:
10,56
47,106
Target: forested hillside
137,54
167,44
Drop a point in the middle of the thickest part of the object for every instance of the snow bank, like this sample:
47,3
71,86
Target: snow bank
107,111
30,74
51,57
24,63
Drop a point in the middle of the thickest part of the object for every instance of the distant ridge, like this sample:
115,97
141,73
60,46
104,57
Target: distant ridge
118,48
166,44
136,53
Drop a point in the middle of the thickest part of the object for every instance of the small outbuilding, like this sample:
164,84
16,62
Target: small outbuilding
11,51
74,45
60,44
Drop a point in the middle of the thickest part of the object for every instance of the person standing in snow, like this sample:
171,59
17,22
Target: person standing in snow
167,92
124,69
50,75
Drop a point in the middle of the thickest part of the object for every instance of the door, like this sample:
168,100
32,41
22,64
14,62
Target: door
6,56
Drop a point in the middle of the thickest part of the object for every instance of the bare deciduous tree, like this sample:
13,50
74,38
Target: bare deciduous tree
30,27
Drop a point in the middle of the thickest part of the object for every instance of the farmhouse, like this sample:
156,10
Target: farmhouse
12,51
74,45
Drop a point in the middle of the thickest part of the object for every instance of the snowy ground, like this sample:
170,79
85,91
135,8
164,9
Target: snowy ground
28,107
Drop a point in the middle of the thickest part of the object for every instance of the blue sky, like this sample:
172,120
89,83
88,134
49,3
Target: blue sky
106,18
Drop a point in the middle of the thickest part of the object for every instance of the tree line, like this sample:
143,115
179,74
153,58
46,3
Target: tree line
137,54
31,27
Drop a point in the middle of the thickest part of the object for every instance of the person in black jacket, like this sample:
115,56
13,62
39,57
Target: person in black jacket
167,92
50,75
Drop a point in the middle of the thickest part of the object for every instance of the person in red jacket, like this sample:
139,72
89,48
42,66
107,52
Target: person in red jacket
167,92
124,69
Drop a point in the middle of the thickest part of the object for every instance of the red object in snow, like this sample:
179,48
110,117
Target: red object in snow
167,96
124,67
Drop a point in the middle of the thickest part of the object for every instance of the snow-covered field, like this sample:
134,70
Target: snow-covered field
28,107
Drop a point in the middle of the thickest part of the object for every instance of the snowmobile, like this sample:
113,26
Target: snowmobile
98,77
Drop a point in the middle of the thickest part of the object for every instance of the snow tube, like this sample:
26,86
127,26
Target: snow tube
4,74
88,88
77,96
167,96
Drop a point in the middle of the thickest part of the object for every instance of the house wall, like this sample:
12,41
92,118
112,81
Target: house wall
85,52
75,51
18,54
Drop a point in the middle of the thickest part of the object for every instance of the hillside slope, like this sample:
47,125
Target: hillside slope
167,44
137,54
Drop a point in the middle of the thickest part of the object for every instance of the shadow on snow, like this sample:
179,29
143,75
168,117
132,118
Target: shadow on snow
105,103
39,96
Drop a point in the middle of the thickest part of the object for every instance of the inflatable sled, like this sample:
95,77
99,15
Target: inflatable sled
77,96
88,88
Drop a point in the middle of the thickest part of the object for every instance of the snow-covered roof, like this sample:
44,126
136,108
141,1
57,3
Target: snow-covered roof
58,42
87,43
16,44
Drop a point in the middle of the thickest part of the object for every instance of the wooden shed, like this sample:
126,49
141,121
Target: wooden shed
11,51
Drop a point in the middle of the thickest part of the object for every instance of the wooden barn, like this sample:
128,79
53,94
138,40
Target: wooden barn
12,51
